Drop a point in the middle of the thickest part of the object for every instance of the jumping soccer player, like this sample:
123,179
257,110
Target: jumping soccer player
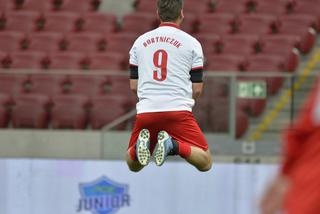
166,69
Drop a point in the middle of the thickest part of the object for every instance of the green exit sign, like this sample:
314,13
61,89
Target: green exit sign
252,89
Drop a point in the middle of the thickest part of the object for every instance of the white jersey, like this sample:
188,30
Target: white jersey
165,57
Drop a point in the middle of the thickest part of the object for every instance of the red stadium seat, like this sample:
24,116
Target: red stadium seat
4,113
99,23
242,123
12,85
210,42
146,6
216,87
308,8
201,111
87,85
189,24
196,7
257,24
216,23
6,5
120,87
47,84
30,111
121,42
61,22
226,62
23,21
106,109
267,63
284,46
27,60
139,22
11,41
107,61
219,118
119,84
239,44
271,7
306,34
253,107
231,6
79,6
34,5
302,19
87,42
69,111
3,59
45,41
67,60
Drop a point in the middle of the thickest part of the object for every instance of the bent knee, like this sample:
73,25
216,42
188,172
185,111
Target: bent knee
205,167
133,166
134,169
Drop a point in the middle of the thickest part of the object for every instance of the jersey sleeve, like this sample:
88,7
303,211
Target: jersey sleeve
133,58
197,57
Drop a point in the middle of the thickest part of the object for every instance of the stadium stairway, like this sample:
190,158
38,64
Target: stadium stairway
287,114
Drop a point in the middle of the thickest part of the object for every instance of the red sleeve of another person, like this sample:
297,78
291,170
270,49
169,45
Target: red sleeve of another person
296,135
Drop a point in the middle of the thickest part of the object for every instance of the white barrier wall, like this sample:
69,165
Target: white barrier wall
84,187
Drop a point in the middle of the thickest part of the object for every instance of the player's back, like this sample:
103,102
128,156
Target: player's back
165,58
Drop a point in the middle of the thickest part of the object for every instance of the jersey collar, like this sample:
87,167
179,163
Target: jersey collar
169,24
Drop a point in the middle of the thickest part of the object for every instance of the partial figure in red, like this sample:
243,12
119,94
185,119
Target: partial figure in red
296,189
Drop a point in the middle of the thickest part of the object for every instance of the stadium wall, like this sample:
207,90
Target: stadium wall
112,145
72,187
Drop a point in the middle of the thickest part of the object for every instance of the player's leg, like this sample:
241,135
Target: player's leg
201,159
186,140
138,153
133,165
196,156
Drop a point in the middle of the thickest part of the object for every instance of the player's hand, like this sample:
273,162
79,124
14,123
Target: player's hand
273,197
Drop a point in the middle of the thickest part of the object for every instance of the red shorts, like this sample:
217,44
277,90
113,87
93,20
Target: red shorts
180,125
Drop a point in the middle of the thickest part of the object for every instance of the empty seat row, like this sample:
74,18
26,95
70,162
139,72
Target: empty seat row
215,118
293,25
82,42
66,111
55,84
254,64
29,21
221,24
64,60
190,6
284,47
90,43
245,23
81,6
274,7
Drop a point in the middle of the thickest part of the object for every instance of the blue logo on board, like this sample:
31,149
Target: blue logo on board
103,196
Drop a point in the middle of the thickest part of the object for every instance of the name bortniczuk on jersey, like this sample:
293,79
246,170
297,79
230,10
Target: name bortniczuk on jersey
165,58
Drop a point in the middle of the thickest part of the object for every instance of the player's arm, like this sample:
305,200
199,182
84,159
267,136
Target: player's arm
133,68
134,78
196,73
196,90
196,77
